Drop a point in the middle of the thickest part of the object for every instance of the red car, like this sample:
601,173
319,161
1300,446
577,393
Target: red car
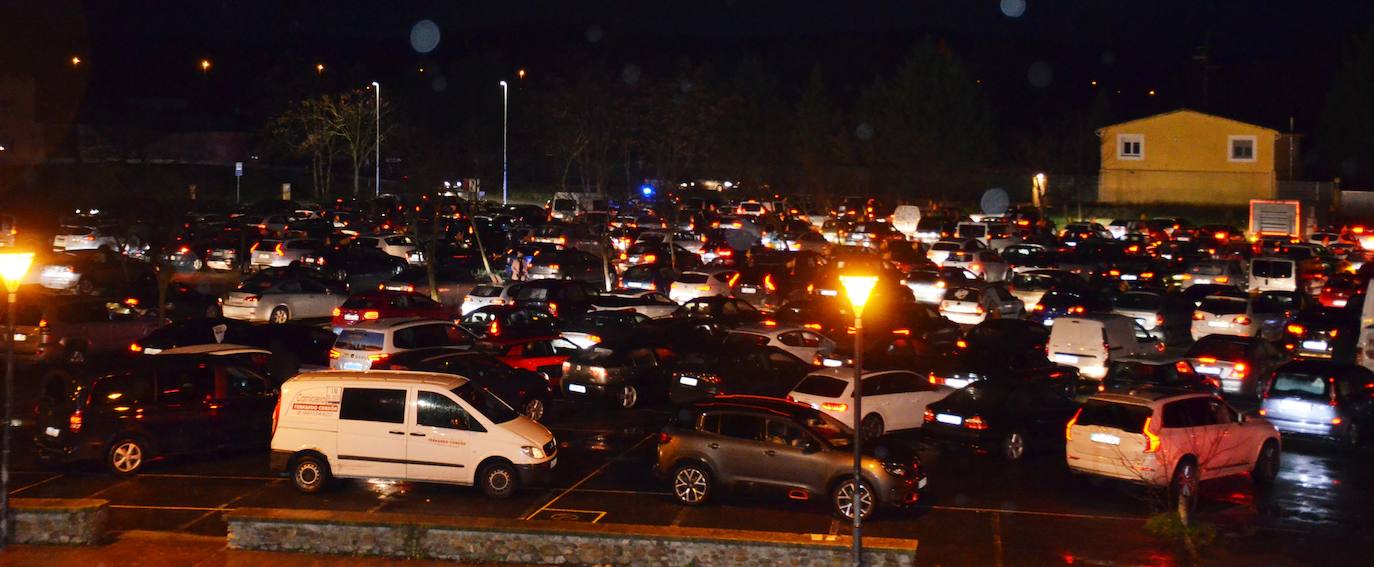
540,354
1340,290
380,304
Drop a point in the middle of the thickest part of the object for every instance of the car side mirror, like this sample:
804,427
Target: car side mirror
811,447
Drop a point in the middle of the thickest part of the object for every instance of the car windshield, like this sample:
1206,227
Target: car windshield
1125,417
972,230
1140,301
485,403
832,430
486,291
1289,384
358,339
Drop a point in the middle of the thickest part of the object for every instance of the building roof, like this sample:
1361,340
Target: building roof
1189,111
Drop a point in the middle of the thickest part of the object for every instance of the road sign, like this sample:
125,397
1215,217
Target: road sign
238,169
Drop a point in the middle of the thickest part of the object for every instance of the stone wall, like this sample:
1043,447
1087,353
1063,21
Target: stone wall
490,540
58,521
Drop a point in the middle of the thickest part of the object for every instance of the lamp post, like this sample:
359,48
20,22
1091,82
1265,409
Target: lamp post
505,111
377,87
13,266
858,289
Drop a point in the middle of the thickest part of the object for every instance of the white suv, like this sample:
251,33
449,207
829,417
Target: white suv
370,345
1167,438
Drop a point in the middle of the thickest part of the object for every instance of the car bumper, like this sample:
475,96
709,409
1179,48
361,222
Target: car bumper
242,313
956,436
65,449
537,473
1323,430
1147,472
964,318
589,392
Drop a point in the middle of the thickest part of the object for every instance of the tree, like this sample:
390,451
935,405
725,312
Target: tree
1344,138
307,129
353,116
813,130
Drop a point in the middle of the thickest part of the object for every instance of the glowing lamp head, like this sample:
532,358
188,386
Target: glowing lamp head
858,289
13,266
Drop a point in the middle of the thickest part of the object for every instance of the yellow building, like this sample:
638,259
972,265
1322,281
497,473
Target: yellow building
1187,157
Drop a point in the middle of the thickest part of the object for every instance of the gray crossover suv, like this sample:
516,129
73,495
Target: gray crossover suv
773,445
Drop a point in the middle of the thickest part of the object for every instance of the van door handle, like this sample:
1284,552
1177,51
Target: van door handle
417,434
714,445
397,432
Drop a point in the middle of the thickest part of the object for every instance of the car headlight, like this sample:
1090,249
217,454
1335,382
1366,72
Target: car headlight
533,452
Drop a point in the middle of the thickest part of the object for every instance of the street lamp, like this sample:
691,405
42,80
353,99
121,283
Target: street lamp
858,289
319,68
13,266
205,65
505,160
76,60
376,86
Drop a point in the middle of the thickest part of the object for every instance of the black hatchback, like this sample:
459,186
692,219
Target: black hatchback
153,407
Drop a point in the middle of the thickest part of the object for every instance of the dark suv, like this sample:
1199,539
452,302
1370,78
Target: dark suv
772,445
151,407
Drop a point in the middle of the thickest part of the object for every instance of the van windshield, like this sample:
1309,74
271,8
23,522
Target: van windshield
1271,269
485,403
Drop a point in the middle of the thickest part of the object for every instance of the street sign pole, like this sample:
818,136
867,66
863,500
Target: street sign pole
238,182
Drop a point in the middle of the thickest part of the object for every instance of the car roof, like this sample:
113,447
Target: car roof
1147,396
446,381
393,323
755,403
218,349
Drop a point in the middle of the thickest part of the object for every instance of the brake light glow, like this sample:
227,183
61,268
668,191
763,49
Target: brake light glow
334,353
1207,359
278,249
834,406
1151,440
371,315
976,423
1222,279
495,328
734,279
768,282
1241,320
135,347
929,416
378,357
1240,369
74,422
812,326
1296,329
1068,429
961,343
337,312
1197,316
553,309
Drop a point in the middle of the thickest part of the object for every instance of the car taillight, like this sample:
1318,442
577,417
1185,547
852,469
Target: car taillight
834,406
768,282
1241,320
1038,307
1068,429
553,309
1222,279
378,357
135,347
961,343
276,416
74,422
1077,309
1151,440
649,259
1159,320
664,438
278,249
337,312
929,416
372,315
976,423
494,329
1240,369
1197,316
254,247
980,310
251,299
1296,329
902,332
333,353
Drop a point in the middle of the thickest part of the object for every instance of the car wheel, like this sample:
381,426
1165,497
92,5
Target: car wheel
280,315
629,397
533,409
1183,488
498,480
197,264
692,484
1266,465
85,287
126,456
849,496
872,426
310,474
1013,446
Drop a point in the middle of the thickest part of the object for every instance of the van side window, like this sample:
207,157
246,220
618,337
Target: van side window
233,382
185,385
436,410
373,404
122,390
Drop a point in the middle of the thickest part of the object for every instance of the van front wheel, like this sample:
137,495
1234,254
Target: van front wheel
310,475
498,480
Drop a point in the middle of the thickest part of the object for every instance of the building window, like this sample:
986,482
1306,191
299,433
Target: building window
1240,148
1130,146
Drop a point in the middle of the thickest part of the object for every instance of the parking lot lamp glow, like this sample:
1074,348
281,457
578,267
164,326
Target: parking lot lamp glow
858,288
13,266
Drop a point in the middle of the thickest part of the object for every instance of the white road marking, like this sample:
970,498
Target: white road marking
997,538
32,485
591,475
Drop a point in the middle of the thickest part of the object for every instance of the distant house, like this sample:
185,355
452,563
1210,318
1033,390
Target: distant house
1189,157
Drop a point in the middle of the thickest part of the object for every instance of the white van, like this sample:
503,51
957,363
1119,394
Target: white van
1273,274
1091,342
417,426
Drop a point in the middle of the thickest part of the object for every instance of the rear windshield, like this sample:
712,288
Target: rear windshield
533,293
1271,269
362,303
1218,347
1223,306
973,231
357,339
1300,385
922,277
1142,301
485,291
1126,417
823,386
1208,269
693,278
963,294
1032,282
745,339
945,246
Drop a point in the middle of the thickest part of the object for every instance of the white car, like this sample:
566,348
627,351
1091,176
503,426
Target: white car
708,282
1170,439
281,253
987,264
1226,272
398,245
412,426
281,300
941,250
369,344
800,342
84,237
489,294
1224,315
972,305
929,286
892,399
653,304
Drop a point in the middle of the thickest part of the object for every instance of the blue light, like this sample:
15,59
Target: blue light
647,190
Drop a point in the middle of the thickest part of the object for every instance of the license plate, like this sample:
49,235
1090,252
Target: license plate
829,292
1208,370
52,432
922,483
264,257
687,381
1202,281
1218,324
1339,302
1066,358
1295,407
1314,345
1105,439
351,317
748,290
957,382
1129,278
1048,322
353,366
152,350
20,337
578,388
949,419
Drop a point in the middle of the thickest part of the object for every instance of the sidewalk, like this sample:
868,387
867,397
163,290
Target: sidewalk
137,548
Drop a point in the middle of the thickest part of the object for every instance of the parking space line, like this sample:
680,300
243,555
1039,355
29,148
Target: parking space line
591,475
630,492
224,506
1039,513
997,538
164,475
39,483
168,508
